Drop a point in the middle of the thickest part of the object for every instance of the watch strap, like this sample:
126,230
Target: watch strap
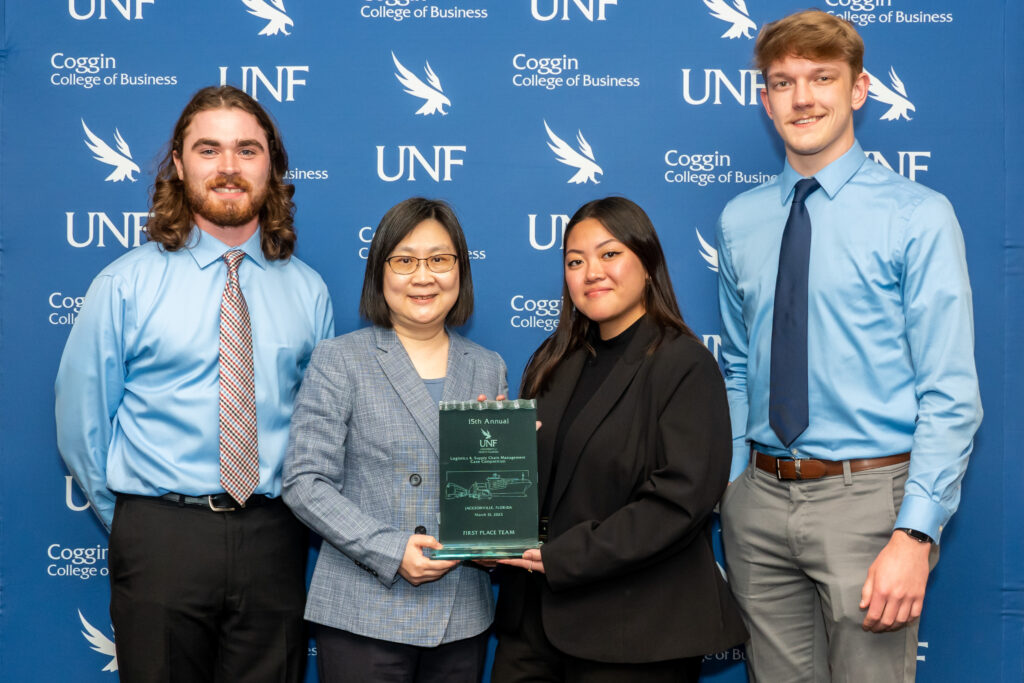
918,536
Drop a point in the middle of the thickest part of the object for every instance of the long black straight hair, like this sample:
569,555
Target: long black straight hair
629,224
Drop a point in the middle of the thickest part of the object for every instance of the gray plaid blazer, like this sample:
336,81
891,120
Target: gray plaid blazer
362,471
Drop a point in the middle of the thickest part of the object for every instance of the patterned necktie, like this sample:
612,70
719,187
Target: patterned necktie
239,458
787,401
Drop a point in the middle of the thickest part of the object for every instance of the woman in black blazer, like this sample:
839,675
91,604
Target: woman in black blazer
634,450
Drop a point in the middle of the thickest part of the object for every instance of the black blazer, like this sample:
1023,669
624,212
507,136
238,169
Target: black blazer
631,576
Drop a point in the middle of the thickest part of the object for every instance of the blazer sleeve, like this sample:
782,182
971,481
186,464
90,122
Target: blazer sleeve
314,469
673,505
502,377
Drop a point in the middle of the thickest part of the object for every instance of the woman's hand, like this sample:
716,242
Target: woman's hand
531,561
417,568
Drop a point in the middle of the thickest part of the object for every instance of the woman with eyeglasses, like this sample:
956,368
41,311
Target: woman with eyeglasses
362,463
633,452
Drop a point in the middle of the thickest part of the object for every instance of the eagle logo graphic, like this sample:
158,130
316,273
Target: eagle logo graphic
121,160
707,252
487,434
583,160
433,94
100,643
735,14
273,12
895,97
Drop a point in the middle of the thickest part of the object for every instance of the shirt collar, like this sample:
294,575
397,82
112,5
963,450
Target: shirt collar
831,178
207,249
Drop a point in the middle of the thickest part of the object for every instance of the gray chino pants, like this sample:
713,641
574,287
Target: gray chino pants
797,554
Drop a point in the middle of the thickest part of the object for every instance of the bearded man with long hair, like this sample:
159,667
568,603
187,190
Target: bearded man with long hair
174,397
175,200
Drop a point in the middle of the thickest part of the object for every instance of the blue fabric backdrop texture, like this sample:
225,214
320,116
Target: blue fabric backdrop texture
516,111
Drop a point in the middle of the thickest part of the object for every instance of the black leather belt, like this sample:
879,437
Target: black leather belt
218,502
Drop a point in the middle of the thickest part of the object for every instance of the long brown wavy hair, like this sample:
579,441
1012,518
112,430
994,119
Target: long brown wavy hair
629,224
171,219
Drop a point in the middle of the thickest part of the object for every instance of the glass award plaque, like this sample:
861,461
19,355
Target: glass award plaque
488,479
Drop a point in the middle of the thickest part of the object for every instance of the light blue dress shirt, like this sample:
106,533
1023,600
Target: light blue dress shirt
890,328
138,388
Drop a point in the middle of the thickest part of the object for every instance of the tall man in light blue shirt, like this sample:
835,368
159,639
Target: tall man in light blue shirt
205,585
830,533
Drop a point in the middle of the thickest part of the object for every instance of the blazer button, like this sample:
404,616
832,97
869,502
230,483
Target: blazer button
420,529
415,479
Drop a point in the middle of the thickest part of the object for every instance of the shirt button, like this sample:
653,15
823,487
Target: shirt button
415,479
794,451
420,529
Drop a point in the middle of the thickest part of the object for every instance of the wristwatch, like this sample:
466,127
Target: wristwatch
918,536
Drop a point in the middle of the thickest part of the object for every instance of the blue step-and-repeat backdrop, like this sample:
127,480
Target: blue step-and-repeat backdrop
517,112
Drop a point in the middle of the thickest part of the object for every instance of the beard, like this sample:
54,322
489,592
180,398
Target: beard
228,213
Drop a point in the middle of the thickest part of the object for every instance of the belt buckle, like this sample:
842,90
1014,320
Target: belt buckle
796,466
209,501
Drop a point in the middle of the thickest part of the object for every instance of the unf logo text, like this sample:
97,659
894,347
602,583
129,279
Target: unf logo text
553,235
77,8
256,82
128,232
713,342
410,157
744,90
69,482
591,10
909,163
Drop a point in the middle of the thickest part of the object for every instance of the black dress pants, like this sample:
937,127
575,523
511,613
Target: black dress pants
527,655
344,657
199,596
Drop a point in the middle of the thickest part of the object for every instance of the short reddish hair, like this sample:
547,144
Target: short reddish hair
810,34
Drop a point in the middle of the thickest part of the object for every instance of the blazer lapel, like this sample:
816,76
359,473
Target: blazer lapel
550,408
399,370
458,383
597,408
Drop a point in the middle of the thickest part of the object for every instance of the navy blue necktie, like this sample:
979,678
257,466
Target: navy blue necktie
787,401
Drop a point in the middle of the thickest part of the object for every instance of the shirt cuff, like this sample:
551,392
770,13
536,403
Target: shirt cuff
104,509
921,514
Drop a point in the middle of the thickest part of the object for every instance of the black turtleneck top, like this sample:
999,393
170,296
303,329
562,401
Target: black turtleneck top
596,369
